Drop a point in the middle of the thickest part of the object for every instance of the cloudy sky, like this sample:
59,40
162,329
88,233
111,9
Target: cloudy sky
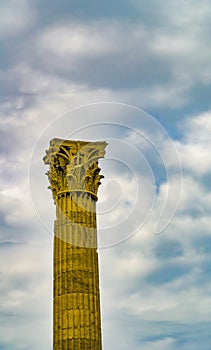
136,74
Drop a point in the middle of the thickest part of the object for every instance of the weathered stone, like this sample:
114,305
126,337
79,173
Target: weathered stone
74,179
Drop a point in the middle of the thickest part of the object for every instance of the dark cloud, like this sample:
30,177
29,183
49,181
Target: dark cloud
167,273
128,63
162,334
86,11
146,51
149,52
168,249
184,336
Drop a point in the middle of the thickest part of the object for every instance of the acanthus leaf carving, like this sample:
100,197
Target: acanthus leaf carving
74,166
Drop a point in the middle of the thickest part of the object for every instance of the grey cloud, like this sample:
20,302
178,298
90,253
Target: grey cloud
25,293
142,280
155,14
139,63
167,273
82,11
129,56
168,249
136,58
160,335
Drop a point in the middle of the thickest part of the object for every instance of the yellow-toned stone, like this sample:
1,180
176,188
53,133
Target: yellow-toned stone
74,179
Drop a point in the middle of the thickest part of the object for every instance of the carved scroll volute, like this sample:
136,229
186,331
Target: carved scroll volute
74,166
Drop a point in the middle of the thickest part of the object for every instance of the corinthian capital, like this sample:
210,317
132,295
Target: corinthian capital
74,166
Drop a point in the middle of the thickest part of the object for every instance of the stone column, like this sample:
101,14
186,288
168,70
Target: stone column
74,179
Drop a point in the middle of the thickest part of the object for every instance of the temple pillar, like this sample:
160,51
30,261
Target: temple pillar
74,179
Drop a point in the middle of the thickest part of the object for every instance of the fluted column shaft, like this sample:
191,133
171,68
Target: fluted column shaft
76,304
76,278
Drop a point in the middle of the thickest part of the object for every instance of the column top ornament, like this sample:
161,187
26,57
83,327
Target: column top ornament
74,166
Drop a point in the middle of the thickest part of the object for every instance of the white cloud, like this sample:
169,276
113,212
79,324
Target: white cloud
26,289
194,149
16,17
198,128
186,15
129,53
73,41
147,288
149,279
132,263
